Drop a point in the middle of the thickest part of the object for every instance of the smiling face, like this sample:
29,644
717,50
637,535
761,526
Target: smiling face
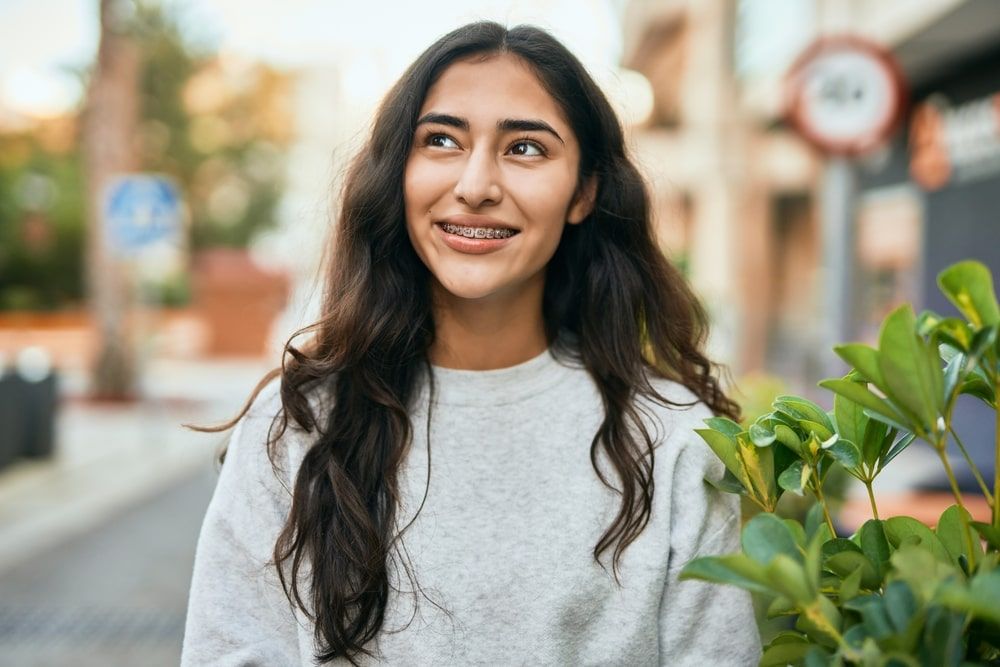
490,180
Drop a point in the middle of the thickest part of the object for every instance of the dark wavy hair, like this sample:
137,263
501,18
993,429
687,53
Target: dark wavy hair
627,309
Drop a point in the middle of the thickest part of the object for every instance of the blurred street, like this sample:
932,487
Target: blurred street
97,544
116,595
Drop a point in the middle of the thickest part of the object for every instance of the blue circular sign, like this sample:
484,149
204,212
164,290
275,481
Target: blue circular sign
140,210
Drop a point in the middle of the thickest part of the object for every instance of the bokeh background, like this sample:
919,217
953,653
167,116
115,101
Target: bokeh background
249,110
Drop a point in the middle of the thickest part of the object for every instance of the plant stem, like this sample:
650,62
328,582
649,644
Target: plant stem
947,468
871,498
973,468
996,452
818,490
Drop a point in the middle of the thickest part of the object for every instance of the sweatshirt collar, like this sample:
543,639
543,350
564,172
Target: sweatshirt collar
500,386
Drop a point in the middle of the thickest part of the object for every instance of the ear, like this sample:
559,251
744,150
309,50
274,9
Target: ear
583,201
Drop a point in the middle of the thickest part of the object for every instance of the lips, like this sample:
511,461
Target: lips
475,244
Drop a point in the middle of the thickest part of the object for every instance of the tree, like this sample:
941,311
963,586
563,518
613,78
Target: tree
110,119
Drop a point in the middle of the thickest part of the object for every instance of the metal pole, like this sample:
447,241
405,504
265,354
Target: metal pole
837,222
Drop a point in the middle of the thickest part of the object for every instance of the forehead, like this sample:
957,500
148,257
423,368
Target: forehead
500,86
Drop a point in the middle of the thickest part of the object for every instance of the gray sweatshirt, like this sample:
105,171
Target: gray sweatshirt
504,541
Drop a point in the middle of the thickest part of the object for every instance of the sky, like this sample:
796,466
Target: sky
40,39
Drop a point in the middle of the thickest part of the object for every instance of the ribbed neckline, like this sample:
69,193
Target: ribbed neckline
500,386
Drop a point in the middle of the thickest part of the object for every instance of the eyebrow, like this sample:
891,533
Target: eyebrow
504,125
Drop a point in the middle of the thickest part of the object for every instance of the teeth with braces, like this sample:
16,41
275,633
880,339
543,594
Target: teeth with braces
478,232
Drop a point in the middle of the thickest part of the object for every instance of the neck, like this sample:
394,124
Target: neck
485,334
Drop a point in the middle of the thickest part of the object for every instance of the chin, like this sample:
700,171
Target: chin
464,290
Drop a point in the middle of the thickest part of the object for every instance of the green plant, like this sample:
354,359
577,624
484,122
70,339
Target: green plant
897,592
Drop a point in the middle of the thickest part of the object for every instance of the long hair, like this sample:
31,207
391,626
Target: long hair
629,311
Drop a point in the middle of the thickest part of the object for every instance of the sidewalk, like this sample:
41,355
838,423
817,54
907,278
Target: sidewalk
110,457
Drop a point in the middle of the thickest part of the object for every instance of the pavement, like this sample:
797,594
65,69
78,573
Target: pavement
110,457
115,595
97,543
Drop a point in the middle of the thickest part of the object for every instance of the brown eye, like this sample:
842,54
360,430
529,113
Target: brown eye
527,149
441,141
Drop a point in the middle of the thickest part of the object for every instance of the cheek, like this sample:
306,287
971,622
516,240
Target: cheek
423,184
544,198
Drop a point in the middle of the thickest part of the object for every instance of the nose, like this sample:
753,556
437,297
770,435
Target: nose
478,184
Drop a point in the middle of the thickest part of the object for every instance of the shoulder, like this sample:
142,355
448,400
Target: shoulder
675,424
680,412
268,404
251,441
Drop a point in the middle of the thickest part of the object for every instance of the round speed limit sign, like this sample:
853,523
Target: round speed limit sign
845,95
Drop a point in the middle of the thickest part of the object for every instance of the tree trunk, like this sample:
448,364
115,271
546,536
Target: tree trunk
109,126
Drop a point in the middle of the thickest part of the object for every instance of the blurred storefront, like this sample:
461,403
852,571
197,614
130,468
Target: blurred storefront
932,197
740,196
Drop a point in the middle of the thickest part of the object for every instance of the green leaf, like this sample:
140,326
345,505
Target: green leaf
727,484
899,446
838,545
855,637
814,557
733,569
803,409
781,606
788,637
900,528
845,563
761,435
765,536
978,386
822,432
821,620
954,332
988,533
850,585
911,369
814,520
725,426
845,453
724,448
956,533
787,576
862,358
781,655
900,605
787,437
757,464
817,657
982,341
875,546
888,422
969,285
863,396
873,442
981,597
851,421
874,615
953,372
798,532
942,640
920,567
795,477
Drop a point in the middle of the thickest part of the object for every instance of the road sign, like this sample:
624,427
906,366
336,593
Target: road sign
845,95
140,210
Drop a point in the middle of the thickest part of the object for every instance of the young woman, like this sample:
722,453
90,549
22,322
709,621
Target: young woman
495,298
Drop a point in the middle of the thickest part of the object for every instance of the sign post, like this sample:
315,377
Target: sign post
845,96
143,214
